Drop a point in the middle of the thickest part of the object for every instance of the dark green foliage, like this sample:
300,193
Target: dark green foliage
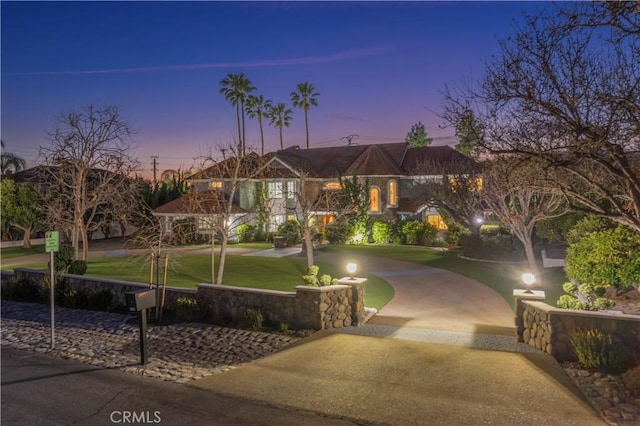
20,290
246,233
381,232
496,248
188,310
290,230
311,277
101,301
607,256
417,136
416,232
586,226
63,258
585,297
595,349
253,318
339,231
556,230
78,267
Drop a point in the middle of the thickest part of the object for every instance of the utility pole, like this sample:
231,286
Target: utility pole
155,169
349,138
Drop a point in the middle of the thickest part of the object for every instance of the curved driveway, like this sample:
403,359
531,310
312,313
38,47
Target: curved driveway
434,298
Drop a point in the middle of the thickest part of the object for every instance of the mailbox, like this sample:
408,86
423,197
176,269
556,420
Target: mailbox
140,299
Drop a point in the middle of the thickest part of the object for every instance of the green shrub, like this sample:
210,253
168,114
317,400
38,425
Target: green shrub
246,233
283,327
455,233
63,258
556,230
339,231
78,267
587,226
311,278
496,248
381,232
609,256
70,298
290,230
586,297
253,318
101,301
327,280
20,290
188,310
596,350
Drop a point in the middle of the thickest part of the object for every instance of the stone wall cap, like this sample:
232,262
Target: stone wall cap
247,289
577,312
352,281
534,294
323,289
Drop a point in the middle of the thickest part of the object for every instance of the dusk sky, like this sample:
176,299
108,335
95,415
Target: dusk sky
379,67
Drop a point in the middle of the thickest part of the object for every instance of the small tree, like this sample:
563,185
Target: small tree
417,136
21,208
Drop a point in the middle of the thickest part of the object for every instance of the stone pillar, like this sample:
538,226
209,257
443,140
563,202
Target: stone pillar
520,296
356,298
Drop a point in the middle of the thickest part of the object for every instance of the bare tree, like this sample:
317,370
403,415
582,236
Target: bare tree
216,207
453,188
564,93
90,173
512,192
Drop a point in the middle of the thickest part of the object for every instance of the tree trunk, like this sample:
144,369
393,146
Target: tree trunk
306,125
261,135
308,242
85,244
26,238
281,143
213,258
239,131
223,252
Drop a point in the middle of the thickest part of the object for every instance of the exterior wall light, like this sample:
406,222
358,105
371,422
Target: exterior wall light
351,269
528,279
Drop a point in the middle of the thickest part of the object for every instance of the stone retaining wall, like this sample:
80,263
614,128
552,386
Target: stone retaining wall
548,328
317,308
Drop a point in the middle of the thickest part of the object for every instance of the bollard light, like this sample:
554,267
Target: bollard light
351,269
528,279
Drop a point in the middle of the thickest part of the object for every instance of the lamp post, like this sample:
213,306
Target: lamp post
351,269
528,279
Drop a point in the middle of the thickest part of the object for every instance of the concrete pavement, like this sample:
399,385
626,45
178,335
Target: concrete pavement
402,382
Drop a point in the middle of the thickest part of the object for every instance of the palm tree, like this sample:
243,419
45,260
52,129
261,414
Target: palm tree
280,116
235,88
305,98
10,163
258,107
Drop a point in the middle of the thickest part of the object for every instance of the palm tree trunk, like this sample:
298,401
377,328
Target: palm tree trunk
281,143
261,135
244,143
306,125
239,132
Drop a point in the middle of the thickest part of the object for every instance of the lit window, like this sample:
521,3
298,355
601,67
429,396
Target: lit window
275,190
471,185
216,184
393,193
436,221
374,200
333,185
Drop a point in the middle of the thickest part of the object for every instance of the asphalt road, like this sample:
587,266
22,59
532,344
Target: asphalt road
40,390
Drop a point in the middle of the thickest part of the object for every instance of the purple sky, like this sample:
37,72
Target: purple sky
379,67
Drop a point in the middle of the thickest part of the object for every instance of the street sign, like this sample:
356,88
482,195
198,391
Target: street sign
51,242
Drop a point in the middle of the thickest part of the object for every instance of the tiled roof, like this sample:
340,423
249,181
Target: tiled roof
207,202
374,161
411,205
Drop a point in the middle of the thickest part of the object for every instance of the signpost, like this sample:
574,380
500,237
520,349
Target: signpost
52,245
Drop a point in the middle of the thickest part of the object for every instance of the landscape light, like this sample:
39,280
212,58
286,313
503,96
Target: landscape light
528,278
351,269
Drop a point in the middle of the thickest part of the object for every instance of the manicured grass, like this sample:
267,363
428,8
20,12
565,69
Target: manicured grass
189,270
13,252
502,277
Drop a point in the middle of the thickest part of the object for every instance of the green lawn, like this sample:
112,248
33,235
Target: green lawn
188,270
13,252
503,278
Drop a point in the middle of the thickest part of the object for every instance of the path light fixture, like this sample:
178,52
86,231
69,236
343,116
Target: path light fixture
351,269
528,278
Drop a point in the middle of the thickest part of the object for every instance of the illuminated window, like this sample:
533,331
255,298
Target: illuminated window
292,189
471,185
329,219
374,200
436,221
393,193
216,184
275,190
333,185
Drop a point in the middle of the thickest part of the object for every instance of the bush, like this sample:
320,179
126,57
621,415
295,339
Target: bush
20,290
63,258
253,318
585,297
455,233
78,267
556,230
609,256
311,278
100,301
497,248
339,231
188,310
290,230
586,226
596,350
246,233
